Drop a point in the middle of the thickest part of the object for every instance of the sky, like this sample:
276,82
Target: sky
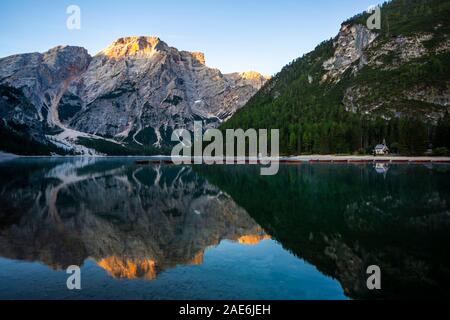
235,35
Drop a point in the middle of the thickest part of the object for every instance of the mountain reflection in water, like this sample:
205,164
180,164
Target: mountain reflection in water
345,218
134,221
140,222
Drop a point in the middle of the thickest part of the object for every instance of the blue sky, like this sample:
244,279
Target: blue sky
235,35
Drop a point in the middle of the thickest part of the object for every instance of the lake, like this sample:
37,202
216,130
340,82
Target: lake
222,232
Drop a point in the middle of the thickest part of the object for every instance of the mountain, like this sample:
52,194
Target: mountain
125,100
364,86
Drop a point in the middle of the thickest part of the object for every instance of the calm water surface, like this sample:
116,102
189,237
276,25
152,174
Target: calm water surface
222,232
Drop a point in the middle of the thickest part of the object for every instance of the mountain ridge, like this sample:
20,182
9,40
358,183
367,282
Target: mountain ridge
127,99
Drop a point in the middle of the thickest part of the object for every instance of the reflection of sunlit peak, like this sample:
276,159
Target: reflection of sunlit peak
198,258
123,268
253,238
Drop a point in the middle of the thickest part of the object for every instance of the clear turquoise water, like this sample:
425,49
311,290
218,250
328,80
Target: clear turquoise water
221,232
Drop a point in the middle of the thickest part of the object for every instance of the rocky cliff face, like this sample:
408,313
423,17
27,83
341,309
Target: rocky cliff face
410,59
31,85
356,47
349,48
136,91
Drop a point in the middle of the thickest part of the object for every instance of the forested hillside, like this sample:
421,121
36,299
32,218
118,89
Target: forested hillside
364,86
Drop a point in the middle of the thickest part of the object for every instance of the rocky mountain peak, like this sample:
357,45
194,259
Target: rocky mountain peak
62,57
254,76
199,56
134,46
